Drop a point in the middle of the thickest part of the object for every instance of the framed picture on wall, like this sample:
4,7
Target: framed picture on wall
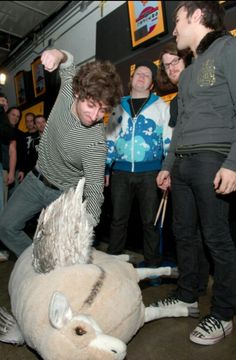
37,109
146,20
38,77
20,88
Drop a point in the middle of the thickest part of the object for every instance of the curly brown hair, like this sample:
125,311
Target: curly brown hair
98,80
163,82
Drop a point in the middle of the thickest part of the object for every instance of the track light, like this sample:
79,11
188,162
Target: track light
3,78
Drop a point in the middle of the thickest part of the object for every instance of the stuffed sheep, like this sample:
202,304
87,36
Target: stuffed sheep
69,301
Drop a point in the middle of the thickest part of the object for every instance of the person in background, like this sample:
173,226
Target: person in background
32,136
201,164
7,138
14,117
40,123
8,143
29,123
138,136
172,62
73,145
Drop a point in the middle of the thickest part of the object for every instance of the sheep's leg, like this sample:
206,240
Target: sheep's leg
123,257
153,313
144,273
9,329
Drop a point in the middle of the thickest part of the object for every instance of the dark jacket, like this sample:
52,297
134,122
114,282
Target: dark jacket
7,133
207,99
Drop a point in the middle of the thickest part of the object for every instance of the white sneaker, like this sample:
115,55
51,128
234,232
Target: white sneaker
4,255
210,330
173,303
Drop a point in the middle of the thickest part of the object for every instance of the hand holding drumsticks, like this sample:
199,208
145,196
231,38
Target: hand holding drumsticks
162,207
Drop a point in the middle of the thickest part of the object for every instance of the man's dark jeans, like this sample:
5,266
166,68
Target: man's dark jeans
194,198
30,197
124,187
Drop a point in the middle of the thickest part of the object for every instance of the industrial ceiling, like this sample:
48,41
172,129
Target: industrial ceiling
21,20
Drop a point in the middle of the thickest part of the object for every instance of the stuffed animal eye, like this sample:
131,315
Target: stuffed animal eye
80,331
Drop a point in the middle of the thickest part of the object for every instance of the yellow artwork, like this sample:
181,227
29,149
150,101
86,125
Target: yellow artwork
38,77
146,20
167,98
20,88
106,118
233,32
37,109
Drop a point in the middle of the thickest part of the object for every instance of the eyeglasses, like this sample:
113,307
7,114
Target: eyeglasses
173,63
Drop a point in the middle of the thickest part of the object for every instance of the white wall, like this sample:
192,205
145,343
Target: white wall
74,32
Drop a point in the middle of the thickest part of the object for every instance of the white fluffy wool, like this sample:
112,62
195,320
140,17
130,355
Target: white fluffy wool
64,233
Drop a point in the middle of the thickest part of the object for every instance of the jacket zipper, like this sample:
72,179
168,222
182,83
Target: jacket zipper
132,149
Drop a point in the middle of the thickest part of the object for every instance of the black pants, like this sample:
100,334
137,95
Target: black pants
194,198
124,187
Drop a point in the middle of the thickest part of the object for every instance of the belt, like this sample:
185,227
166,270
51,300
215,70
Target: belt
184,155
43,179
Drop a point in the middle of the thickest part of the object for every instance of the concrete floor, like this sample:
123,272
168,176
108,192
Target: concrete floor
165,339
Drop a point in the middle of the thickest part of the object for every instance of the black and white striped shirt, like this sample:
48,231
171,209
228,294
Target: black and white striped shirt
69,150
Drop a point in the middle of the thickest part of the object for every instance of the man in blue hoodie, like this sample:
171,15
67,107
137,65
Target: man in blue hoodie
138,136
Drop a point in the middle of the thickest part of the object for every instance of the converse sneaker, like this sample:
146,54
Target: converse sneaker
175,306
210,330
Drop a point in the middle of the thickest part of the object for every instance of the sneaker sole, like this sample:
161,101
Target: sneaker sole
210,341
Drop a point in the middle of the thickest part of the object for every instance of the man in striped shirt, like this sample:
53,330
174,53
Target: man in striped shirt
72,146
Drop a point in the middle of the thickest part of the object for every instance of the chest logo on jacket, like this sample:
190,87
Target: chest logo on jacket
206,76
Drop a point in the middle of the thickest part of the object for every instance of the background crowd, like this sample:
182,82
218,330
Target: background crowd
18,150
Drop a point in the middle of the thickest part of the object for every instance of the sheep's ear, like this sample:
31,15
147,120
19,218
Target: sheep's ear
59,311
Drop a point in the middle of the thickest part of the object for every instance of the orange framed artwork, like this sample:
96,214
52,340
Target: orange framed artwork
38,77
20,89
37,109
146,20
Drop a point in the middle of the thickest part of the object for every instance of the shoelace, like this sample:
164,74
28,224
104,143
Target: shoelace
209,322
167,301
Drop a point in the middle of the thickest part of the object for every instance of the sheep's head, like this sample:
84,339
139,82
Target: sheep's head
79,336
